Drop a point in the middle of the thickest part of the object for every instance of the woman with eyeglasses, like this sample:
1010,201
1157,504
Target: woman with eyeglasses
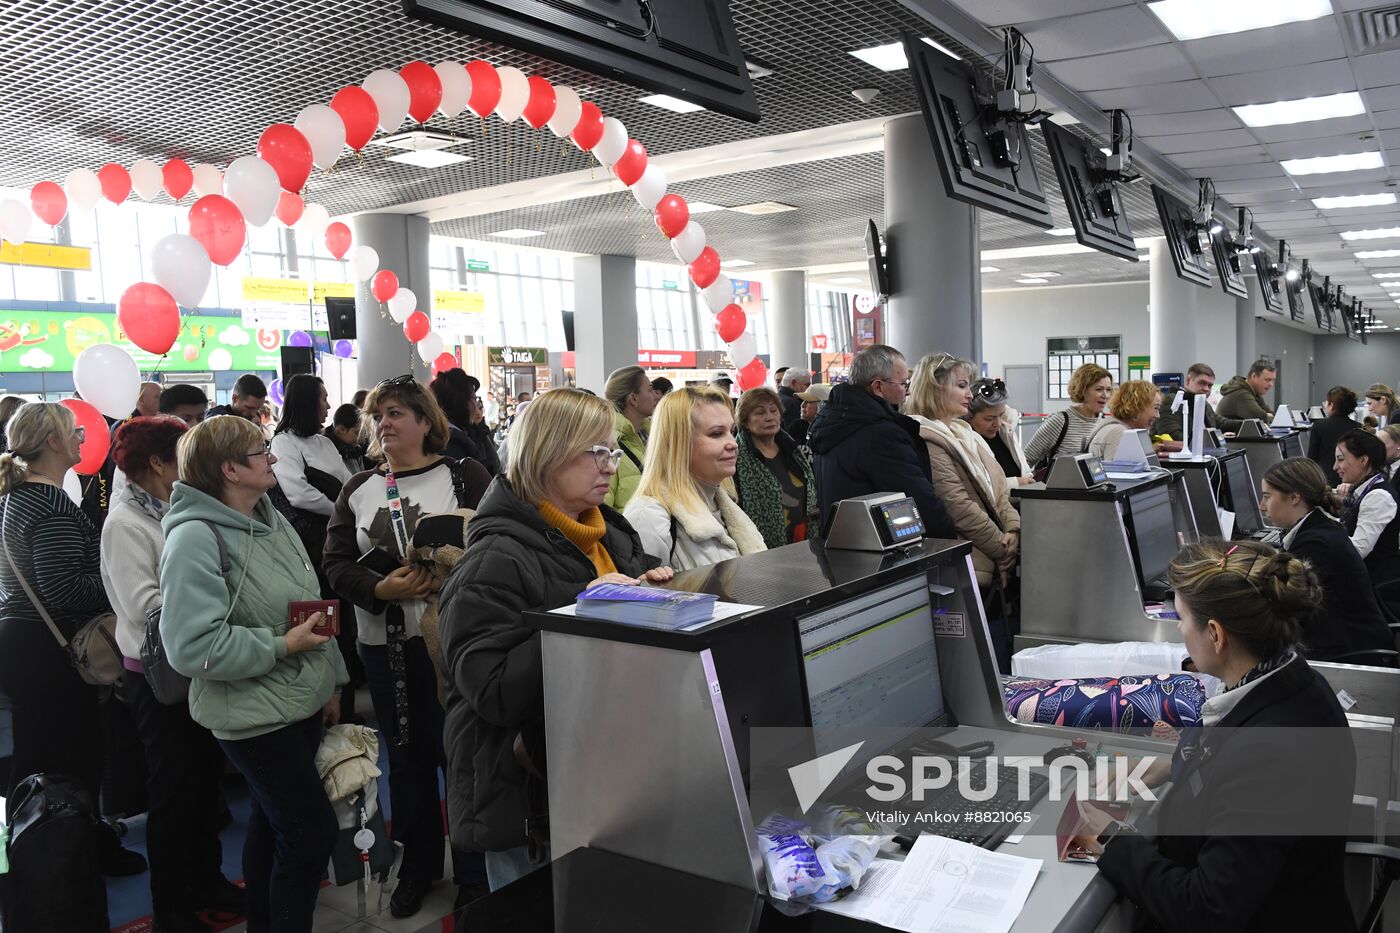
968,480
264,687
684,508
996,422
48,541
541,536
379,510
1064,432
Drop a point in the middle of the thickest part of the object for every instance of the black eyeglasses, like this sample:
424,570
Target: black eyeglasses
991,388
403,380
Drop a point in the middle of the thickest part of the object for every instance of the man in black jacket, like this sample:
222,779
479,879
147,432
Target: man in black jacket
862,444
249,396
795,381
1200,379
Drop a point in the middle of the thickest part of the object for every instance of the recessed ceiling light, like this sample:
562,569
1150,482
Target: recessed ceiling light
891,57
1302,110
1032,281
673,104
1375,233
990,269
1026,252
1354,200
942,48
418,140
429,158
1385,275
1061,231
1041,275
1196,19
705,207
1378,254
735,263
516,233
763,207
1351,162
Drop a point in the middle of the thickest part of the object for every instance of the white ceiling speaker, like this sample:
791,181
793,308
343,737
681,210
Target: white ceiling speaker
865,94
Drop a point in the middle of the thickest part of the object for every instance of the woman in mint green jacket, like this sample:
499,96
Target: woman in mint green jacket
265,689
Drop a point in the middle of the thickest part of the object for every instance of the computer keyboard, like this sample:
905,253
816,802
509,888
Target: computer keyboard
983,823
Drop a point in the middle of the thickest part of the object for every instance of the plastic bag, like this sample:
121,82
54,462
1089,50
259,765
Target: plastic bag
805,866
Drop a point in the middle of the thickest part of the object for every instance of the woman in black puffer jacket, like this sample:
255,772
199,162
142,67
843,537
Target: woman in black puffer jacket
539,537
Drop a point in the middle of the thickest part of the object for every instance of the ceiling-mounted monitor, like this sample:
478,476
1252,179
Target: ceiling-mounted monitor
1091,193
984,154
684,48
1187,242
1321,298
1268,280
1290,281
1229,264
877,261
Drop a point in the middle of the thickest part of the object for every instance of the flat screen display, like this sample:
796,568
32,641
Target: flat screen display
1092,198
1268,280
1188,245
875,258
1154,533
900,521
1229,264
1243,502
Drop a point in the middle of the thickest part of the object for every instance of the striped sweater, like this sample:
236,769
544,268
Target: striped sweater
56,548
1043,444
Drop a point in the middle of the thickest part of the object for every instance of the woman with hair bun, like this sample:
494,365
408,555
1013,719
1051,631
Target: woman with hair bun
1252,834
1295,498
1371,511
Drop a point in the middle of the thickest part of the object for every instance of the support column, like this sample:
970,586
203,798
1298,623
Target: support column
1245,347
401,240
933,252
787,320
605,317
1171,313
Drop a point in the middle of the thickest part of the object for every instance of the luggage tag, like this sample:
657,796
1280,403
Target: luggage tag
4,849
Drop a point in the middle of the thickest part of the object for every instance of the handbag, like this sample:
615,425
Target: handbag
1041,470
93,647
168,685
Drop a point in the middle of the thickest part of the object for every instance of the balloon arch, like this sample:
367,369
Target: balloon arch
255,188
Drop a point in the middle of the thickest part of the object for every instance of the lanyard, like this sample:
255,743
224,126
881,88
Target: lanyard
396,522
395,628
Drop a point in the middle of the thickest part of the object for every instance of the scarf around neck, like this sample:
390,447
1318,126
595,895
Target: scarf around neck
586,534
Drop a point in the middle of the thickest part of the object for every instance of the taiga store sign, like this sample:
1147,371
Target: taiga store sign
518,356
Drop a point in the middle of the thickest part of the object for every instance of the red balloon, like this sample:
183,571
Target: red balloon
150,317
444,362
672,214
540,106
705,269
753,375
178,178
424,90
289,208
116,182
417,326
384,285
730,323
486,88
589,131
633,163
219,227
338,239
359,113
48,202
97,438
284,148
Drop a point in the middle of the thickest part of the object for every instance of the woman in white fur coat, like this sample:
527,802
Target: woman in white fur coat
684,509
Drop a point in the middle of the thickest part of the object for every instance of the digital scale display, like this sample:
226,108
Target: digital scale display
901,521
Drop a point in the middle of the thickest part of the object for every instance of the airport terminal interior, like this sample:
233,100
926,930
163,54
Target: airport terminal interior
700,465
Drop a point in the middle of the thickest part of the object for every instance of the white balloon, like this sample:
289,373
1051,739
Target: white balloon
689,242
650,188
429,347
83,189
515,93
365,261
208,180
221,360
146,179
567,110
402,305
390,95
314,221
718,294
107,377
180,265
252,185
743,350
456,88
15,219
325,131
613,144
74,487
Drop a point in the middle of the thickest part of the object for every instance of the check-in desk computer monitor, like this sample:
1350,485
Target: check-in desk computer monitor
1152,531
1239,492
871,662
1293,445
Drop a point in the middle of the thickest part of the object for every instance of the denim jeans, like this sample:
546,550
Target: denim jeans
292,829
414,799
504,867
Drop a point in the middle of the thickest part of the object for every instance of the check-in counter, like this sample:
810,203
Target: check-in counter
1265,448
1221,479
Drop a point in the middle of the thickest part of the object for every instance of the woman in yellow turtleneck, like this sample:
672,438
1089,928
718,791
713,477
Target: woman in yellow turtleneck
540,537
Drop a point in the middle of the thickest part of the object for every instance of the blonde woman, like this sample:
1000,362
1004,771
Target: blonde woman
1381,402
683,509
1064,432
540,536
1135,405
969,481
633,399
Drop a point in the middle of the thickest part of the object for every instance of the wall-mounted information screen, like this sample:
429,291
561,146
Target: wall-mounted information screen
1063,355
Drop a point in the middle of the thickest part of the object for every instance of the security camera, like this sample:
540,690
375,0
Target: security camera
865,94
